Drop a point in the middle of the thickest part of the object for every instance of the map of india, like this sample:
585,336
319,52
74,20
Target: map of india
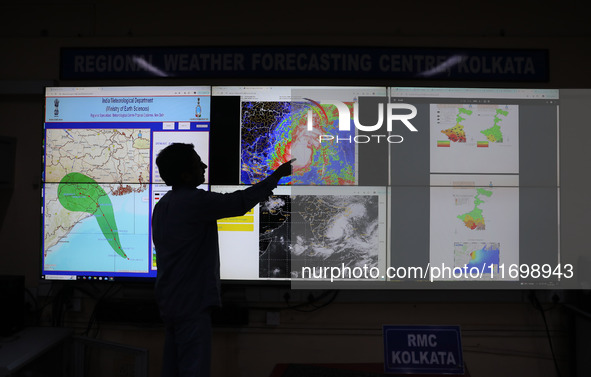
97,181
105,155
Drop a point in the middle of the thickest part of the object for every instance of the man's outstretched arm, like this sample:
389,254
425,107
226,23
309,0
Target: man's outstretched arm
241,201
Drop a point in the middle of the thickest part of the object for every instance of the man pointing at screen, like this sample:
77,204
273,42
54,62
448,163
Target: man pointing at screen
184,230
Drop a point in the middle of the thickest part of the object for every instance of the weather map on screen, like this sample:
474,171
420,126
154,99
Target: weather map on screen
484,256
275,216
468,138
337,227
333,230
99,176
91,174
304,226
274,132
474,218
265,129
274,128
474,221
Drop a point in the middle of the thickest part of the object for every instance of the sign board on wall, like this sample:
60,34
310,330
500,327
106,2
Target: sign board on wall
306,62
423,349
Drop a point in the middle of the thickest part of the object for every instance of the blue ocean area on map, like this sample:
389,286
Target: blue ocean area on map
85,247
484,258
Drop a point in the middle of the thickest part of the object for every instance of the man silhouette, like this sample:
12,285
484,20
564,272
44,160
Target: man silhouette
184,231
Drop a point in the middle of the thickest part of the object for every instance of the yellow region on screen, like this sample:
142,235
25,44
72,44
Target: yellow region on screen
235,227
237,219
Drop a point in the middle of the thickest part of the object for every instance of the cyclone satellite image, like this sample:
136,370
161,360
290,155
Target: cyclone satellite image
275,236
275,132
334,230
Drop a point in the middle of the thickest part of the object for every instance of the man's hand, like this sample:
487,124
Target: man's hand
284,170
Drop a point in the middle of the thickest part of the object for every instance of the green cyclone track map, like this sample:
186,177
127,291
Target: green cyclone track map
80,193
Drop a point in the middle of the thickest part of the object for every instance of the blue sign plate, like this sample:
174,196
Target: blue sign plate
423,349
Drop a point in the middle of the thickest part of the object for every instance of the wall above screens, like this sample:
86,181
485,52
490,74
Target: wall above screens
463,191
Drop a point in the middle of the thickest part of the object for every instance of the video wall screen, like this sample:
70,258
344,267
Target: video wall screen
391,188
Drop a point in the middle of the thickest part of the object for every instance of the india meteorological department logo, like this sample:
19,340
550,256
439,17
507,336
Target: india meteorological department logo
56,105
198,108
343,114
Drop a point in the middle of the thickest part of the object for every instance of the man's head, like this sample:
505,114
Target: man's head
180,165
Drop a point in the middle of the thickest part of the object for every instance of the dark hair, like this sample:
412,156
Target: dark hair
174,160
